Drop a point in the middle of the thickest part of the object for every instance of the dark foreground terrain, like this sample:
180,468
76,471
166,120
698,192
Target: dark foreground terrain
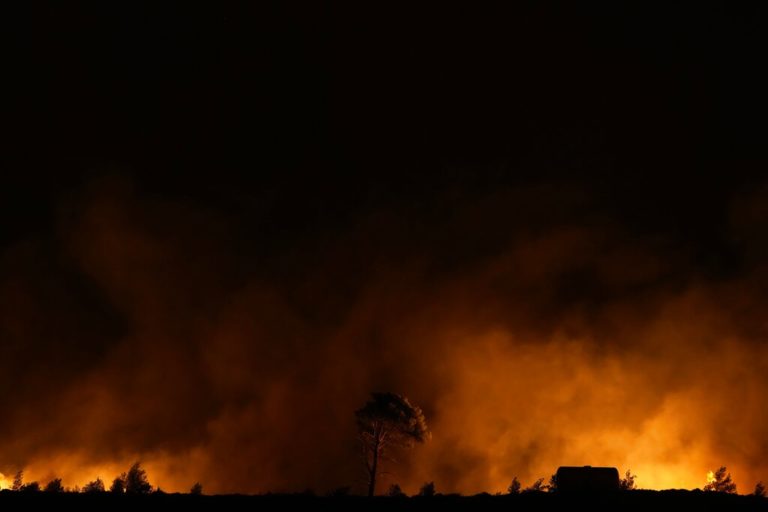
633,500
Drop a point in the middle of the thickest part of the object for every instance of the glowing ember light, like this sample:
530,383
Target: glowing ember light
5,483
710,477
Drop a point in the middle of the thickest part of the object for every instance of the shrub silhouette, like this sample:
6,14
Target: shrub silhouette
54,486
427,490
31,487
136,481
552,485
118,484
395,491
387,421
340,492
196,489
514,487
628,482
759,490
537,486
720,481
94,486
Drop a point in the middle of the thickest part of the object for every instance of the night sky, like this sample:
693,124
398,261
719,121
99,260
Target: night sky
223,226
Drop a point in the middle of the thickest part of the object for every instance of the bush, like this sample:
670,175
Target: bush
118,485
628,482
537,486
94,486
31,487
427,490
54,486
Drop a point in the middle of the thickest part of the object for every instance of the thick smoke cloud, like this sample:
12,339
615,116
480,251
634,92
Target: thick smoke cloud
533,330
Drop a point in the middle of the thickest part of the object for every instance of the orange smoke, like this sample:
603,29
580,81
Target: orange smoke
143,331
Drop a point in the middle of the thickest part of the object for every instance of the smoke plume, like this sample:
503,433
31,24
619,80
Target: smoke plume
533,331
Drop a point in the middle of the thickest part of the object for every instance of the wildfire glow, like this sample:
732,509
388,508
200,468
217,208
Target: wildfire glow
710,477
515,382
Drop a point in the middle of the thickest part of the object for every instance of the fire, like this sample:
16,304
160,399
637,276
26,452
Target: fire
5,482
517,378
710,477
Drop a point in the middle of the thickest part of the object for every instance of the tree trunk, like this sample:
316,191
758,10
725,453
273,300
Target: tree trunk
374,467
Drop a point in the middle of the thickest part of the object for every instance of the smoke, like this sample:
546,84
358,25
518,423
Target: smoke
532,328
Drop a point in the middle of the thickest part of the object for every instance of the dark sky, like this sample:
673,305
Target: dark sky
322,112
197,198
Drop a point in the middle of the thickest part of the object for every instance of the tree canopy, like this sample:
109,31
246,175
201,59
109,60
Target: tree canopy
720,481
386,421
514,487
118,484
94,486
54,485
136,481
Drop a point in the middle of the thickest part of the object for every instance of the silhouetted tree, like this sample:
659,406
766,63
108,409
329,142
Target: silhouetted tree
31,487
136,481
628,482
387,420
395,491
427,490
118,484
18,481
720,481
54,486
94,486
759,490
537,486
196,489
514,487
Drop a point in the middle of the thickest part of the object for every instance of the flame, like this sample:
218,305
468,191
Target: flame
710,477
5,482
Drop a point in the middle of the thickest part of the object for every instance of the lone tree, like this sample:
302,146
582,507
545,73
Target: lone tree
759,490
387,421
720,481
514,487
196,489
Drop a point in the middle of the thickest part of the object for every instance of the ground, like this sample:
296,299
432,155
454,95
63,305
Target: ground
634,500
